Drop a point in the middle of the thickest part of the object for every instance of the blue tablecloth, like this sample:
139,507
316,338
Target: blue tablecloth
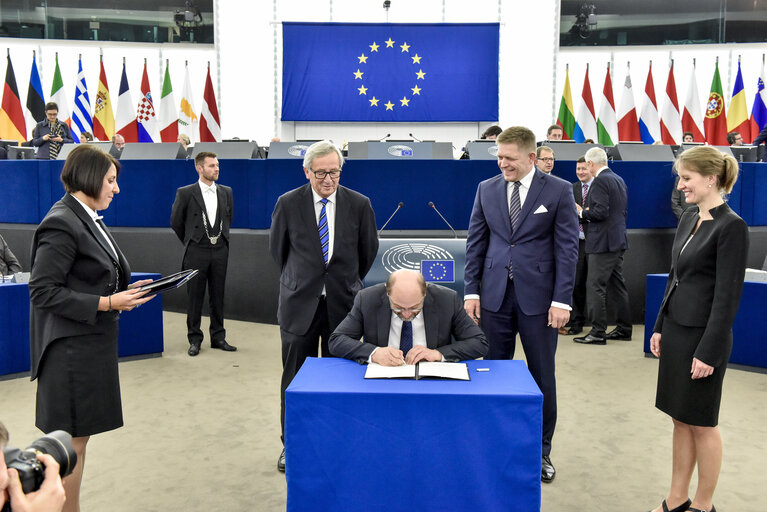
406,445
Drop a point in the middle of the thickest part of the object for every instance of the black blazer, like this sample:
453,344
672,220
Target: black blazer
604,214
448,328
705,281
72,267
295,246
186,214
43,146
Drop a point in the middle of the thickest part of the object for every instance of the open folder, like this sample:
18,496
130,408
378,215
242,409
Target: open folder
422,370
170,282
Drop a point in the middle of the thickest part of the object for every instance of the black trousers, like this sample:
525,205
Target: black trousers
606,269
578,317
211,262
539,342
295,350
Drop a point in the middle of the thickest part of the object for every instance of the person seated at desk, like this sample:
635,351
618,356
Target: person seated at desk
9,264
491,133
405,321
734,139
86,137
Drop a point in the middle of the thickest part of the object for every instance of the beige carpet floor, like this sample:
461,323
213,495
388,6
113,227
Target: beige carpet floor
202,434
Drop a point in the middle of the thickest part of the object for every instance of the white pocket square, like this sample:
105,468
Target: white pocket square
541,209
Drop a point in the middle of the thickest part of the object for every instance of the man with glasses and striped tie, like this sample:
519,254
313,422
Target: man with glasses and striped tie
324,240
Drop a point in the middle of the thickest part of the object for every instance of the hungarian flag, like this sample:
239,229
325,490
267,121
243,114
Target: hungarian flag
737,121
125,121
715,123
670,120
586,120
146,120
35,111
12,125
210,125
103,117
607,125
759,110
168,116
628,126
649,126
566,117
58,95
692,117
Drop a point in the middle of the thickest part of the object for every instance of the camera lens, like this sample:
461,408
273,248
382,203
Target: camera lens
58,444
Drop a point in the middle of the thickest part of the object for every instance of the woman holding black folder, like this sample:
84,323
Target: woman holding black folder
78,286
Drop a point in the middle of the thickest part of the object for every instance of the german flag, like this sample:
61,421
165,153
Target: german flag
12,125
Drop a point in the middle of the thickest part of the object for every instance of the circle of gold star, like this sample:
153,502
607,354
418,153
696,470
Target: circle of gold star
376,48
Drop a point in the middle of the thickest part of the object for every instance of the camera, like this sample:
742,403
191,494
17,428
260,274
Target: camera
57,444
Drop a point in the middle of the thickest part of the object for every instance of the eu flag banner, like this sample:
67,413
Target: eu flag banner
389,72
438,271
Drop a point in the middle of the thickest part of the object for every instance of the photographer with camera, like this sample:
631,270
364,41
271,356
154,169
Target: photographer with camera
50,496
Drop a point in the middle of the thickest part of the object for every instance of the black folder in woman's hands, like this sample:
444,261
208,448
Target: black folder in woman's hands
170,282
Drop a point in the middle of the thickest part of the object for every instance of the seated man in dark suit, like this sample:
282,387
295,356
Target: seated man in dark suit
761,138
407,321
9,264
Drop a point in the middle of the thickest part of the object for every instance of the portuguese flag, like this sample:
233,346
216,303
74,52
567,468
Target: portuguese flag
715,123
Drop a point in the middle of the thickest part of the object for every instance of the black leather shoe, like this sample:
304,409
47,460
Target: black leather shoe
193,350
680,508
223,345
590,339
693,509
547,470
281,461
617,334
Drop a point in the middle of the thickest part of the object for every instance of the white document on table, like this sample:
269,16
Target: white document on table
424,369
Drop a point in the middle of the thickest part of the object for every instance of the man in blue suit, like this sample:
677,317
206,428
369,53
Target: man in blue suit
521,252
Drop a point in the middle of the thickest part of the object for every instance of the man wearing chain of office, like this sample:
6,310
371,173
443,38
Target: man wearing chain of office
201,216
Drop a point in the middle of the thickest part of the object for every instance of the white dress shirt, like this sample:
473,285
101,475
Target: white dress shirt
395,332
211,204
95,216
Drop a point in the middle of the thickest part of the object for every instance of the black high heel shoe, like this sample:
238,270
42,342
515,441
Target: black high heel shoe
681,508
693,509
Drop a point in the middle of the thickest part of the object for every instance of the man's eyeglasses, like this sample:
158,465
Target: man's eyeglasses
547,159
415,309
320,175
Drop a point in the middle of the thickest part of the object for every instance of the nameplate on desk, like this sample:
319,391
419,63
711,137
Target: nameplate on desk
422,370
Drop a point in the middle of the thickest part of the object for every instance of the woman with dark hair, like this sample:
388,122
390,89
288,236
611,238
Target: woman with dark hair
708,263
78,286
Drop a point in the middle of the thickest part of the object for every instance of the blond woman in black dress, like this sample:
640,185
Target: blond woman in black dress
693,333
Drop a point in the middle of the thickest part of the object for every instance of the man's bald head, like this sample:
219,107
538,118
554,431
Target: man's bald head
406,290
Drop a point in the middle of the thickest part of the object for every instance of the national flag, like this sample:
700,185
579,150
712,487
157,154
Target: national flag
737,120
12,125
692,117
210,124
628,126
168,116
566,117
715,123
607,126
188,120
35,111
125,120
58,95
649,126
586,119
103,115
670,120
390,72
759,110
146,120
81,114
438,271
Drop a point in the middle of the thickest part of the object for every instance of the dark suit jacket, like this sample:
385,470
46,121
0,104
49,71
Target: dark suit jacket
448,328
705,281
295,246
186,214
72,267
43,146
759,139
544,247
604,215
9,264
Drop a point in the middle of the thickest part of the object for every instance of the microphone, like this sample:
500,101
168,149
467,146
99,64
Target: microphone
400,205
415,138
455,235
384,137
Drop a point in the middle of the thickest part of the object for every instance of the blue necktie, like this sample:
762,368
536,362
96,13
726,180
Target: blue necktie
322,226
406,338
515,208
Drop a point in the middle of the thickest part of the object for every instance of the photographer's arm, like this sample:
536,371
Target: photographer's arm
49,498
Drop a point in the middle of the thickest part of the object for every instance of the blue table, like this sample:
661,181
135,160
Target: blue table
406,445
140,329
749,346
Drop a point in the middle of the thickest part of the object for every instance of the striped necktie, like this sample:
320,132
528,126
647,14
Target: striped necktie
515,208
322,226
583,203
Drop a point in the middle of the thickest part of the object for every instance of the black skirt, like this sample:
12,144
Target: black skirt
695,402
78,385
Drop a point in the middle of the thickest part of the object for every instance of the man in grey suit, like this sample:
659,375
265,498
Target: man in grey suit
324,240
406,320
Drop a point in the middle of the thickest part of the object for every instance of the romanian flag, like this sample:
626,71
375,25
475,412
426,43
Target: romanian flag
566,117
103,117
737,121
715,122
12,125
